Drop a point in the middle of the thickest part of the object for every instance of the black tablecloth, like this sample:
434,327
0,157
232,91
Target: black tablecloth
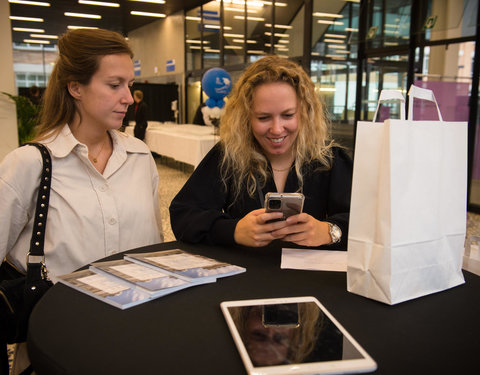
185,332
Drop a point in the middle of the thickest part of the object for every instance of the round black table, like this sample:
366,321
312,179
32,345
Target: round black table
185,332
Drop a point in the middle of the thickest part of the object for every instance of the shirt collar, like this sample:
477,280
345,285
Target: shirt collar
63,143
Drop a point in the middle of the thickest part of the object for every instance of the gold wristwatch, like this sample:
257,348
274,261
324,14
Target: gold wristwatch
335,232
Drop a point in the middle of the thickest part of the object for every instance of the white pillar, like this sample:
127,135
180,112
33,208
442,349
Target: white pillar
8,116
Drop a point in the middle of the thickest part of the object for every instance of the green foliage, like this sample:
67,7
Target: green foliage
27,117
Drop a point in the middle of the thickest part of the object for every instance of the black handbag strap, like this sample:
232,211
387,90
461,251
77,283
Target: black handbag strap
41,210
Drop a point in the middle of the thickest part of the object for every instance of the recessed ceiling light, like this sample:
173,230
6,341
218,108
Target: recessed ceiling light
73,27
83,15
147,14
151,1
36,41
28,30
46,36
26,2
99,3
30,19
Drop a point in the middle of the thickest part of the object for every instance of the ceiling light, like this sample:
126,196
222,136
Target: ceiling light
256,52
335,36
277,34
240,10
249,18
99,3
191,18
46,36
351,29
279,26
233,47
73,27
36,41
147,14
328,22
30,19
194,41
83,15
333,41
332,15
151,1
257,4
233,35
276,4
26,2
242,41
28,30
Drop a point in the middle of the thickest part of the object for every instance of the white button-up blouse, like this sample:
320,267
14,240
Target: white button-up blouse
90,215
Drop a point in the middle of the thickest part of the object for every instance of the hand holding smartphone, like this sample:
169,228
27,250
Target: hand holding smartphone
287,203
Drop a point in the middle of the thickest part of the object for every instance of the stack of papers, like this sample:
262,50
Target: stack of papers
142,277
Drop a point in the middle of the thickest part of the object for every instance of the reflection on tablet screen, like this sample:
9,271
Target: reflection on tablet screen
293,333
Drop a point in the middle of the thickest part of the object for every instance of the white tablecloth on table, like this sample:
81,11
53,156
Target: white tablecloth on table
186,143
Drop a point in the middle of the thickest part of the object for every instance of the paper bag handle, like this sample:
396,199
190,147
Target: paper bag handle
421,93
391,95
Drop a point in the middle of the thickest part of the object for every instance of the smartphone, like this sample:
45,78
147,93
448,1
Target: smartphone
287,203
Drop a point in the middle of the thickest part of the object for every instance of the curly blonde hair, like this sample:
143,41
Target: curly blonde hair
244,163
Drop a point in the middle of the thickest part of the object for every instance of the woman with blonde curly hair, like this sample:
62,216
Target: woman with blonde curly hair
274,137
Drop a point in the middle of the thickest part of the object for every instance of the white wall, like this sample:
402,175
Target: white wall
8,117
155,44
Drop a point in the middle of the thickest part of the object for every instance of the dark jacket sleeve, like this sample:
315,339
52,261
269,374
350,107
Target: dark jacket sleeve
197,211
142,114
340,186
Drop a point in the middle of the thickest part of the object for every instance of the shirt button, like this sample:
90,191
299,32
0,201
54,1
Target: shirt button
112,221
103,188
111,252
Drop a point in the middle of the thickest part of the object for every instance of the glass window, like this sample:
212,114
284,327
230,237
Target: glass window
194,97
259,35
447,19
33,64
448,72
335,30
234,32
211,34
288,28
193,39
390,23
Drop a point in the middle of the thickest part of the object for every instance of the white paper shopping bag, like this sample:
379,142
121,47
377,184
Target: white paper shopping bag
408,206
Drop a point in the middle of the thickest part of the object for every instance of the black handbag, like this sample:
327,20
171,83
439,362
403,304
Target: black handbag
20,292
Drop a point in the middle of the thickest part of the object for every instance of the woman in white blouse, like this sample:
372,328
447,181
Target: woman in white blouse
104,189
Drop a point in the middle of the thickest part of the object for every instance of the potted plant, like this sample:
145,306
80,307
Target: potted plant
27,117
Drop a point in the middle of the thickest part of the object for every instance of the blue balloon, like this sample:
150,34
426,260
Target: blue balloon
216,83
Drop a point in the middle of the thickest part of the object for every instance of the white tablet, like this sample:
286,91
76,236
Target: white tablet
294,335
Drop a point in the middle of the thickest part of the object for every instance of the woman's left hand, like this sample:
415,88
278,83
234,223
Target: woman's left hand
304,230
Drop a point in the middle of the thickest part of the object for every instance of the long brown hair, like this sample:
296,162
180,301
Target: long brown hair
78,60
244,162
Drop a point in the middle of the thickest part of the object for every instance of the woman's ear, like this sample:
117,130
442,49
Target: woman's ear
74,89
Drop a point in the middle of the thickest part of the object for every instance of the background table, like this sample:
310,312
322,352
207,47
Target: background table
186,143
185,332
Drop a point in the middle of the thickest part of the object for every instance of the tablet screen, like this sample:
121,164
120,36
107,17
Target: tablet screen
292,332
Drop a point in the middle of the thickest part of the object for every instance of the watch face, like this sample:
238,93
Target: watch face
335,233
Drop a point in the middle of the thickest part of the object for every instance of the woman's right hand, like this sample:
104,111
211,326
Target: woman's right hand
254,231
